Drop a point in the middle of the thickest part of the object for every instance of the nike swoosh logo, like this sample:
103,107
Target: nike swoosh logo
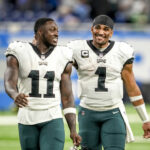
115,112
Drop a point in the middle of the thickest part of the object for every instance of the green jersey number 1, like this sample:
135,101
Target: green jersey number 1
101,72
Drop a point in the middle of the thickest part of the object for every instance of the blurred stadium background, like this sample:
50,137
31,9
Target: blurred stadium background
74,19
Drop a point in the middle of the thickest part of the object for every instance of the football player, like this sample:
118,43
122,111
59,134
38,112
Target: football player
37,77
103,66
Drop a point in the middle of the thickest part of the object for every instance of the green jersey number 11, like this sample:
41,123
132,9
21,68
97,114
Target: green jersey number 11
34,75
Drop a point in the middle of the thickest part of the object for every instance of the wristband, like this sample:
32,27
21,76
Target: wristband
69,110
135,98
141,110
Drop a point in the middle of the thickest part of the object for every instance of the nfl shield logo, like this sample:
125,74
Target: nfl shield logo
100,55
42,57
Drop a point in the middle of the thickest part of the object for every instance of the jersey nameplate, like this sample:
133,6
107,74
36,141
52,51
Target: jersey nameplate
99,60
43,63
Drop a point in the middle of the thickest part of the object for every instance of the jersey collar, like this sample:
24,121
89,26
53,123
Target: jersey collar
38,52
97,51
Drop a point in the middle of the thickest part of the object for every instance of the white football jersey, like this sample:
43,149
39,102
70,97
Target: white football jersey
99,73
40,75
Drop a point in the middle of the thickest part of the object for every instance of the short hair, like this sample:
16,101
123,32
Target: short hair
40,22
105,20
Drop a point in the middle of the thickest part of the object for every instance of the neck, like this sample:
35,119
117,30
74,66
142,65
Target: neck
100,46
43,48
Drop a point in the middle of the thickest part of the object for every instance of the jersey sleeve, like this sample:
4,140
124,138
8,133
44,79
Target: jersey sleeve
67,54
14,49
127,53
73,45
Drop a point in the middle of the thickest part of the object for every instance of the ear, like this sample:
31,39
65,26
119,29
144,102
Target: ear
92,29
35,36
34,41
39,32
111,33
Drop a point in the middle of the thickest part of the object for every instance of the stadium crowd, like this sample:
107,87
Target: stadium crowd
122,11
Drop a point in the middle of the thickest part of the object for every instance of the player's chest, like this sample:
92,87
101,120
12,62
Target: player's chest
40,66
87,59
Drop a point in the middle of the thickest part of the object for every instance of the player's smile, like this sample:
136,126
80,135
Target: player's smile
100,37
55,40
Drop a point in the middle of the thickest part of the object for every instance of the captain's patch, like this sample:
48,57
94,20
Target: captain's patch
84,53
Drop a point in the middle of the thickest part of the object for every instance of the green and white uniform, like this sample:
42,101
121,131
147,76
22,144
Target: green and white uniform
100,86
99,73
39,77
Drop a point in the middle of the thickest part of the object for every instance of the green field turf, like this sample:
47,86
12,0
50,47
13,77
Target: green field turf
9,134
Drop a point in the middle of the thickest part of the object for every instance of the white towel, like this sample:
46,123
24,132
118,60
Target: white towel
129,137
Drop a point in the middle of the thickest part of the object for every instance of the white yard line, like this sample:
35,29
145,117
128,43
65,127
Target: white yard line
12,120
140,139
134,118
8,120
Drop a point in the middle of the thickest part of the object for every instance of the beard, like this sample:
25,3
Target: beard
100,42
47,43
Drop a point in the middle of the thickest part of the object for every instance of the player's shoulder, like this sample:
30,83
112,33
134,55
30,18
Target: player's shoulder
64,50
17,45
75,43
16,48
124,46
125,49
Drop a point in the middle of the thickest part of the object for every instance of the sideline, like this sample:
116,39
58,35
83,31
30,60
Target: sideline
8,120
12,120
133,118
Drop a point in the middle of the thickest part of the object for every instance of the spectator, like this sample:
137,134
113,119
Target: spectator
132,11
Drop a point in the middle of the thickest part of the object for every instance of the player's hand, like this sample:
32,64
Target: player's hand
75,138
146,128
21,100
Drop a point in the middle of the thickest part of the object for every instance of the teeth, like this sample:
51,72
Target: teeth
55,40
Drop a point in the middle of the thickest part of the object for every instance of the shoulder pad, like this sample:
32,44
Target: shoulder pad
16,44
75,44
